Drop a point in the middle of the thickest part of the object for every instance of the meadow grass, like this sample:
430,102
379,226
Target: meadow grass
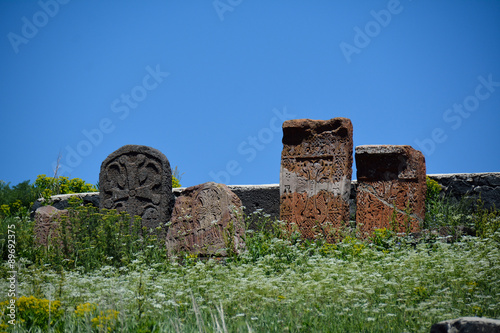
280,284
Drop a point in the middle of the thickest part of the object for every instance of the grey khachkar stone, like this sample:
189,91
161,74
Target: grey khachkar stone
467,325
315,176
391,188
138,180
207,220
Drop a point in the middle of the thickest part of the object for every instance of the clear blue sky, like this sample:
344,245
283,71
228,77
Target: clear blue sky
209,83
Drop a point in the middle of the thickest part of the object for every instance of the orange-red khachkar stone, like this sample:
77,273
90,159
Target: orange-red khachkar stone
391,188
315,176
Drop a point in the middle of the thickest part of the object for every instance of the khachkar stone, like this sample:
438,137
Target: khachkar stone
47,224
138,180
315,176
391,188
207,221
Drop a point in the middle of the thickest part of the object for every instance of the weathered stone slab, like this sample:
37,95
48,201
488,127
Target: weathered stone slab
207,220
47,219
138,180
315,175
467,325
391,188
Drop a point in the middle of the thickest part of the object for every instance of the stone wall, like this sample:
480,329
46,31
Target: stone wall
267,197
475,185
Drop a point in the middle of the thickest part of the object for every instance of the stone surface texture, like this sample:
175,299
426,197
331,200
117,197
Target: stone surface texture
47,224
138,180
259,198
467,325
206,220
315,176
474,185
391,188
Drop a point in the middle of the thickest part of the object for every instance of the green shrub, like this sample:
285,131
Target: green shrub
441,210
90,238
433,189
22,228
176,177
175,182
40,313
17,200
486,222
48,186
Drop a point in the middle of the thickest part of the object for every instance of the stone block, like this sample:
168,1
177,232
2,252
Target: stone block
315,176
391,188
467,325
206,220
138,180
46,227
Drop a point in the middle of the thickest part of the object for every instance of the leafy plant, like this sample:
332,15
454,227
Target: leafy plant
17,200
61,185
382,238
433,189
486,222
90,238
175,182
34,312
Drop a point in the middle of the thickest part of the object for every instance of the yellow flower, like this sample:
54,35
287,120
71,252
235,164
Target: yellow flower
38,311
5,210
106,320
84,309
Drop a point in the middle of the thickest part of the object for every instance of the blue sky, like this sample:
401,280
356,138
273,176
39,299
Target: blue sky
209,83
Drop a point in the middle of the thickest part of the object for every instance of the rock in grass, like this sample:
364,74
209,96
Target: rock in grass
46,224
467,325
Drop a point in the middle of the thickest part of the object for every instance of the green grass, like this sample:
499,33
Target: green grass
280,284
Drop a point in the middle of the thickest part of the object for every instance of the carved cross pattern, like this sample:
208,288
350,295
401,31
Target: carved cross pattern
210,209
132,181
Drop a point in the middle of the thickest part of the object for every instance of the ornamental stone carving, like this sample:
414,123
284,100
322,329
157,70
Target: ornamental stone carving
315,176
138,180
391,188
